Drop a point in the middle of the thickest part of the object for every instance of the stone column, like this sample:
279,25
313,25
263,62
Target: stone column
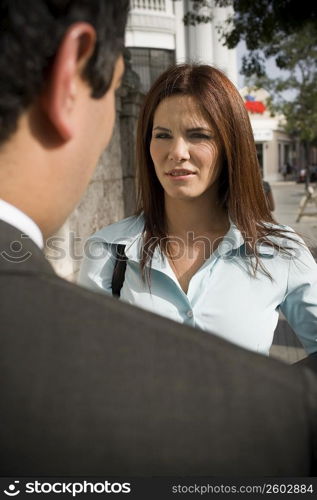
131,100
200,40
180,40
224,58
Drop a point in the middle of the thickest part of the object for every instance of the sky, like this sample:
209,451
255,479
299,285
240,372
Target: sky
272,70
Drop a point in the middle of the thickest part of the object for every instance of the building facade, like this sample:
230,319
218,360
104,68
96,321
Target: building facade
157,37
274,146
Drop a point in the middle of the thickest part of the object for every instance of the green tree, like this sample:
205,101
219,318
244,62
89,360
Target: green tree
298,59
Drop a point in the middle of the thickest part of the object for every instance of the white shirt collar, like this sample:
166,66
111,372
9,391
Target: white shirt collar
12,215
232,240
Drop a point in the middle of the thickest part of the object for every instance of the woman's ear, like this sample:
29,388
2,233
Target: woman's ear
60,94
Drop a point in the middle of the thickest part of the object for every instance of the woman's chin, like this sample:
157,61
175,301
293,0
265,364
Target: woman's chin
181,194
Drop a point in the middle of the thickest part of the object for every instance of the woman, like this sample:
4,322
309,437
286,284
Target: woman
203,248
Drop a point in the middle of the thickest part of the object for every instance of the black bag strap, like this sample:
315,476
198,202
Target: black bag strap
118,270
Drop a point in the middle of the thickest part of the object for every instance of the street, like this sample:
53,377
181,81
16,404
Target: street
287,196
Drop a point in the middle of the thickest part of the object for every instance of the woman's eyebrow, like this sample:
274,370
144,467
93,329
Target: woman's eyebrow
162,128
195,129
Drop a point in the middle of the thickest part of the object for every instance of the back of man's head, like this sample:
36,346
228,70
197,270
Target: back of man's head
30,34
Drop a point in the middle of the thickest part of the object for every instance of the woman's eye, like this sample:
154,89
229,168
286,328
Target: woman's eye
200,136
162,136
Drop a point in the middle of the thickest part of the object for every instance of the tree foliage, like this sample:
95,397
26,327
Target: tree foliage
200,12
298,57
262,24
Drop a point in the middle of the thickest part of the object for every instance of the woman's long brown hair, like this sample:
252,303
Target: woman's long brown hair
240,183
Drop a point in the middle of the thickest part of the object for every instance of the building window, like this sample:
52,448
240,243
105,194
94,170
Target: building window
150,63
158,5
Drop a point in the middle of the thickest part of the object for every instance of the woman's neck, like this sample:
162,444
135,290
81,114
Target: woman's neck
200,216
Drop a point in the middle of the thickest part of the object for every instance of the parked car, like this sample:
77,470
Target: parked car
301,176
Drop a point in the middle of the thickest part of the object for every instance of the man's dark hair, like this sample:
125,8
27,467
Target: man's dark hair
30,33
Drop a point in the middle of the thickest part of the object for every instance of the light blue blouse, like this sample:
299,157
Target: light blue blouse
223,297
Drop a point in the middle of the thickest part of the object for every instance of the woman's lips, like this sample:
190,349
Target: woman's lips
180,174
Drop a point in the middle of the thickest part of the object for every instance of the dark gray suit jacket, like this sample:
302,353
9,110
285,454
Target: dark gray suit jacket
91,386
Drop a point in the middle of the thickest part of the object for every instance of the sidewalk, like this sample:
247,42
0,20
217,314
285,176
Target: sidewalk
287,195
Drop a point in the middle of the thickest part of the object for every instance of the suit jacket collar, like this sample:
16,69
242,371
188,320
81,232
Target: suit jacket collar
18,253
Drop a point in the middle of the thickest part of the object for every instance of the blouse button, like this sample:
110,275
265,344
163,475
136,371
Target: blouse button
190,313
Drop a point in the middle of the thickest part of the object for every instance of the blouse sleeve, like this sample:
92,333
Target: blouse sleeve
300,302
97,267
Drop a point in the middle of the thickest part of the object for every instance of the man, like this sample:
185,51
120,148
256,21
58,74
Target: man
90,386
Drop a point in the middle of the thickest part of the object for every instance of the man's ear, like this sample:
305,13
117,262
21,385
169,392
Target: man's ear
59,96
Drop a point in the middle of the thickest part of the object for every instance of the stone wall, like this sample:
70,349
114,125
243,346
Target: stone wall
110,195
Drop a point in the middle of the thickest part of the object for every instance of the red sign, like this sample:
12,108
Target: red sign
255,107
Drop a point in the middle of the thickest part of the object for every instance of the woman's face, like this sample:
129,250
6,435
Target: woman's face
184,149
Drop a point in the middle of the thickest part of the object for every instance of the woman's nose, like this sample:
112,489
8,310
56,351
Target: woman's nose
179,150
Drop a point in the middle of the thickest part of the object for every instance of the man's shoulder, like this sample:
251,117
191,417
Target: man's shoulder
39,298
19,253
70,330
